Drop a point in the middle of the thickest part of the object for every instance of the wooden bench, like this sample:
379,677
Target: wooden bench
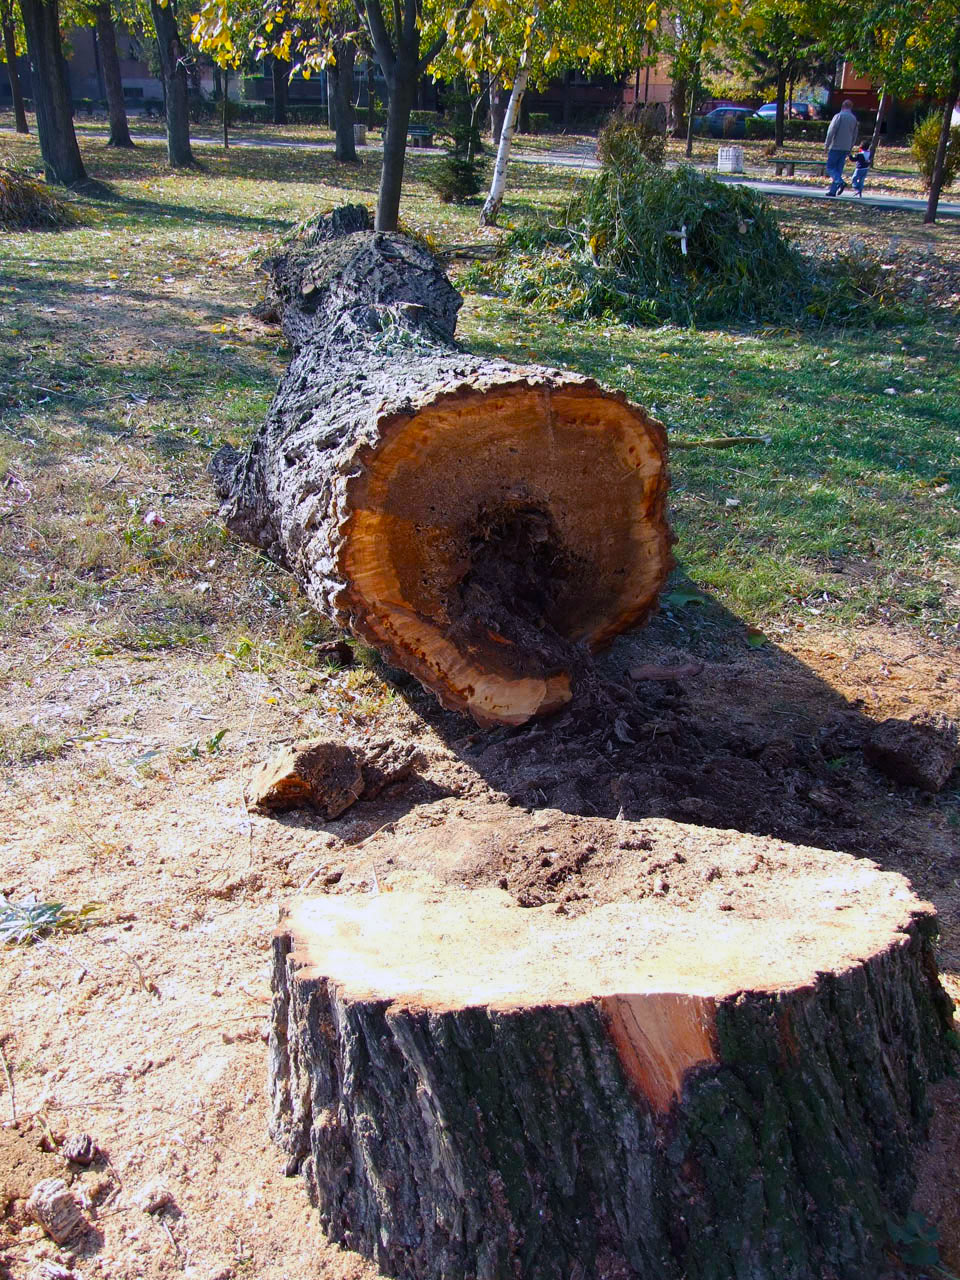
818,168
420,135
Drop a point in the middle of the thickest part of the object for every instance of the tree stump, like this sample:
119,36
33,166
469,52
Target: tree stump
477,522
696,1086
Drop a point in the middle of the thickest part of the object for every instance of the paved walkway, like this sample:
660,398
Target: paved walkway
585,159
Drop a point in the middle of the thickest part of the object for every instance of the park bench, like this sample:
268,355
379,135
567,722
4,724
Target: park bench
420,135
818,168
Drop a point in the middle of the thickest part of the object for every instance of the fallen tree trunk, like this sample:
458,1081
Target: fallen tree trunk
724,1079
477,522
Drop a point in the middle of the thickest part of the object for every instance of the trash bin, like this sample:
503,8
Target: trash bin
730,160
360,135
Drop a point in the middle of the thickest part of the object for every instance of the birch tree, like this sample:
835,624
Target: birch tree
523,46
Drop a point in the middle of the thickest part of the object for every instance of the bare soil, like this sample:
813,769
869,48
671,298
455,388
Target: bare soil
147,1031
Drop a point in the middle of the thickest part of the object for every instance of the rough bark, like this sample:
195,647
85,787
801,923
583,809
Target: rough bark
51,93
936,184
112,80
340,79
174,69
13,74
644,1092
498,110
878,126
281,89
474,520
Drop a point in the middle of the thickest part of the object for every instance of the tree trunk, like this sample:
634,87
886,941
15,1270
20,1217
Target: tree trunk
174,68
881,115
399,107
692,107
281,89
51,93
678,100
491,207
781,93
10,53
225,105
113,82
436,503
567,111
936,183
498,111
689,1086
340,80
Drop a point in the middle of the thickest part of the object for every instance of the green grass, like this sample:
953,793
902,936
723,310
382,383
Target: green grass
127,356
850,511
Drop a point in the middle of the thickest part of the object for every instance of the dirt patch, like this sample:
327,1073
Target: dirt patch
147,1031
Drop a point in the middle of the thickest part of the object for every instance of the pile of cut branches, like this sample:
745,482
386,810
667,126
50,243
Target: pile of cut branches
644,244
27,204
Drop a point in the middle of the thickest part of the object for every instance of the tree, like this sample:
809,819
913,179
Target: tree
912,48
530,43
405,41
771,42
280,72
173,68
12,45
62,161
105,28
691,36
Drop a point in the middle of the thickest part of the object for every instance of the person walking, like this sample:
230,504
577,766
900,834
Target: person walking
862,160
841,139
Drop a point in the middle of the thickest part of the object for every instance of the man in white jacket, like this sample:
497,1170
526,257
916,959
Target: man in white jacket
841,136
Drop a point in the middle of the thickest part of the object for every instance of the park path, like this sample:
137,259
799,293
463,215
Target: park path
584,158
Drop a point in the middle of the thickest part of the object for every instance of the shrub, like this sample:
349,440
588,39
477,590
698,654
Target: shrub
760,127
27,203
923,144
540,122
425,119
458,176
623,142
455,178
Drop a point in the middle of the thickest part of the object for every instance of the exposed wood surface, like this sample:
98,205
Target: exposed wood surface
482,524
686,1086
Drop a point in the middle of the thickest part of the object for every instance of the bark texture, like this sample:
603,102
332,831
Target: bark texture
474,520
62,162
340,82
112,80
173,63
280,71
719,1135
13,74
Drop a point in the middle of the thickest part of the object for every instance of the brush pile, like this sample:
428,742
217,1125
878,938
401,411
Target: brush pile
27,204
645,244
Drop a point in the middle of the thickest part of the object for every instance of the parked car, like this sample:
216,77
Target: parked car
727,122
801,111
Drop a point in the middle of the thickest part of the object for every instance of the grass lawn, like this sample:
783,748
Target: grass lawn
147,659
126,342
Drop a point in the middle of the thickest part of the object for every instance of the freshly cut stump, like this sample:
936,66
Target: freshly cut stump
702,1084
475,521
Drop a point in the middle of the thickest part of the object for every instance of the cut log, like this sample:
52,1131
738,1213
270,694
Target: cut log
475,521
702,1084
